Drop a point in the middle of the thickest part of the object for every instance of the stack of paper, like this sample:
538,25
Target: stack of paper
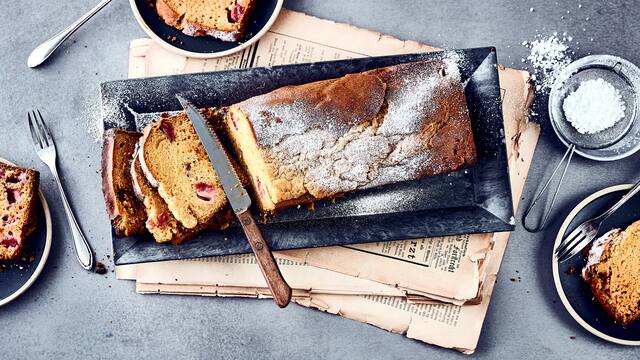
436,290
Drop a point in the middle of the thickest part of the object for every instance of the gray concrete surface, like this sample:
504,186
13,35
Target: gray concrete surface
73,314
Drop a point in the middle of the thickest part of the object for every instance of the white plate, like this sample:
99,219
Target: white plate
45,253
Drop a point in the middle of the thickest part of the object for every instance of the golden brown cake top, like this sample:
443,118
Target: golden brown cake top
366,129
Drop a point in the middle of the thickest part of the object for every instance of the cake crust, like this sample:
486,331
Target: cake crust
125,211
364,130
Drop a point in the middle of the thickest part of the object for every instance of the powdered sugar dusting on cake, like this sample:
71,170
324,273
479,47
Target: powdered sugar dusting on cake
194,30
336,151
597,248
412,100
331,105
282,121
408,105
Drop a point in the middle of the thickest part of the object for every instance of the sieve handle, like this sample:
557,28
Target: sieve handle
567,155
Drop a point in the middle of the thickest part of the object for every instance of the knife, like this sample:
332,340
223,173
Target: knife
240,203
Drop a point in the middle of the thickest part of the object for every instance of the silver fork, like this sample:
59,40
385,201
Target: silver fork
584,234
46,150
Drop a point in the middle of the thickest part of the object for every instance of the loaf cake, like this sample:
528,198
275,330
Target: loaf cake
18,191
125,210
360,131
613,273
222,19
175,163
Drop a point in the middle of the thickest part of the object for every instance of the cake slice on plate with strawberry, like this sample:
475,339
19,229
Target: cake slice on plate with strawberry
18,191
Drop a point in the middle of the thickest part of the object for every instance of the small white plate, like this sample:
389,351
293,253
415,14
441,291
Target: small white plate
16,281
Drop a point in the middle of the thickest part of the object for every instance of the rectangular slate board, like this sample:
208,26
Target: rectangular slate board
474,200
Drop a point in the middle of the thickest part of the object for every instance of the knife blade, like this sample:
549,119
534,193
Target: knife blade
240,203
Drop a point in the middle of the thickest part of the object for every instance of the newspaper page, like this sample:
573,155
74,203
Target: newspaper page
445,325
450,266
441,324
241,271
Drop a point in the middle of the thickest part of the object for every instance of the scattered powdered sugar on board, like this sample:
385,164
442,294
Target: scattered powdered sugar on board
548,56
93,121
110,114
380,202
595,106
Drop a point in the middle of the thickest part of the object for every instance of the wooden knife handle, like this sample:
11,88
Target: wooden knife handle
279,288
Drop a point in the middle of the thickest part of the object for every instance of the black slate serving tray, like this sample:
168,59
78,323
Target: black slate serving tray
474,200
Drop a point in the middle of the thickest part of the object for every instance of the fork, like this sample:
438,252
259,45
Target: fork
46,150
584,234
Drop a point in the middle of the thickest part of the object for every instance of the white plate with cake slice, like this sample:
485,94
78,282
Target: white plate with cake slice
30,254
597,286
207,29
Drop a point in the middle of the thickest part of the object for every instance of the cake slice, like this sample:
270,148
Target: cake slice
125,211
360,131
18,192
175,163
222,19
613,273
160,221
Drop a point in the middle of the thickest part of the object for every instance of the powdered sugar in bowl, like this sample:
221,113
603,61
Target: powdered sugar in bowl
617,139
621,137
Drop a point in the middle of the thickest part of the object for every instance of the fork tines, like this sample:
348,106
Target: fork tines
39,131
575,241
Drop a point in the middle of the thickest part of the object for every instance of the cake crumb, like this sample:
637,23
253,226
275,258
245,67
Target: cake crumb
100,269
